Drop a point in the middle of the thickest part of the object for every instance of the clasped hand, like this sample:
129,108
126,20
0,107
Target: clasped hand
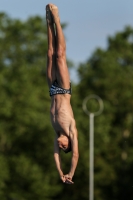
67,179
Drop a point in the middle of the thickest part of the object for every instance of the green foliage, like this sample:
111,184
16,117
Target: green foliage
26,136
108,73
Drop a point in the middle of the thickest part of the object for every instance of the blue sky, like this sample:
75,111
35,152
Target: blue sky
90,22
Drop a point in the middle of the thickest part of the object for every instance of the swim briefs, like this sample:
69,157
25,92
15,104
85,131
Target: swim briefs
56,89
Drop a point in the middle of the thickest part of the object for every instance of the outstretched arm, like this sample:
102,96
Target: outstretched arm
75,153
57,157
64,178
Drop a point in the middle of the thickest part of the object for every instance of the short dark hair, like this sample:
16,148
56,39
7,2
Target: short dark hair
68,149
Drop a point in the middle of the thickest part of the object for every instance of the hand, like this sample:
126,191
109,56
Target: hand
63,178
68,179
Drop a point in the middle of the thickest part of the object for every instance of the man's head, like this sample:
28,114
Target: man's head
64,143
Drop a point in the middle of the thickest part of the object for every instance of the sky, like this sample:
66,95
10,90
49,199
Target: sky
90,22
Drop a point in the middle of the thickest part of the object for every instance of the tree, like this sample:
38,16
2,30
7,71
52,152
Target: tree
108,73
26,135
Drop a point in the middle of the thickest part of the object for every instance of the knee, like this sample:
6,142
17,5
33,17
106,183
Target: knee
50,54
61,53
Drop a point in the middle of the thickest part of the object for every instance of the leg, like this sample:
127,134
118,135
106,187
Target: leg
51,58
62,73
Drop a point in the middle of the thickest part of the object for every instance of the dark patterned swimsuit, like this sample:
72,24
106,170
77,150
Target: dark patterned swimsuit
56,89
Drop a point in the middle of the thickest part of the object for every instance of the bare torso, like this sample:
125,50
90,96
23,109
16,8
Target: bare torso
61,114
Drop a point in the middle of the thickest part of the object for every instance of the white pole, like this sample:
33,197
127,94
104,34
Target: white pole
91,139
91,171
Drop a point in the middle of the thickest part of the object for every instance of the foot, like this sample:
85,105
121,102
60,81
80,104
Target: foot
54,12
49,17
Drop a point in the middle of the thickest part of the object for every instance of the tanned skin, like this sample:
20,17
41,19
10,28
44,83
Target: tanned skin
61,113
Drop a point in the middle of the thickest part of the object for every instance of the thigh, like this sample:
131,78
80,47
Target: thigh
62,74
51,71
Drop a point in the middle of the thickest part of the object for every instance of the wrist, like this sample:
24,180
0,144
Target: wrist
61,174
70,174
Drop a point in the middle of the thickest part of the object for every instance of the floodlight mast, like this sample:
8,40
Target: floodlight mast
91,139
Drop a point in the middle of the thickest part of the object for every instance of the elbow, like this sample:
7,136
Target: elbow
76,155
56,155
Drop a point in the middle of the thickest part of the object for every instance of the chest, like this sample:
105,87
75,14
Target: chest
61,122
